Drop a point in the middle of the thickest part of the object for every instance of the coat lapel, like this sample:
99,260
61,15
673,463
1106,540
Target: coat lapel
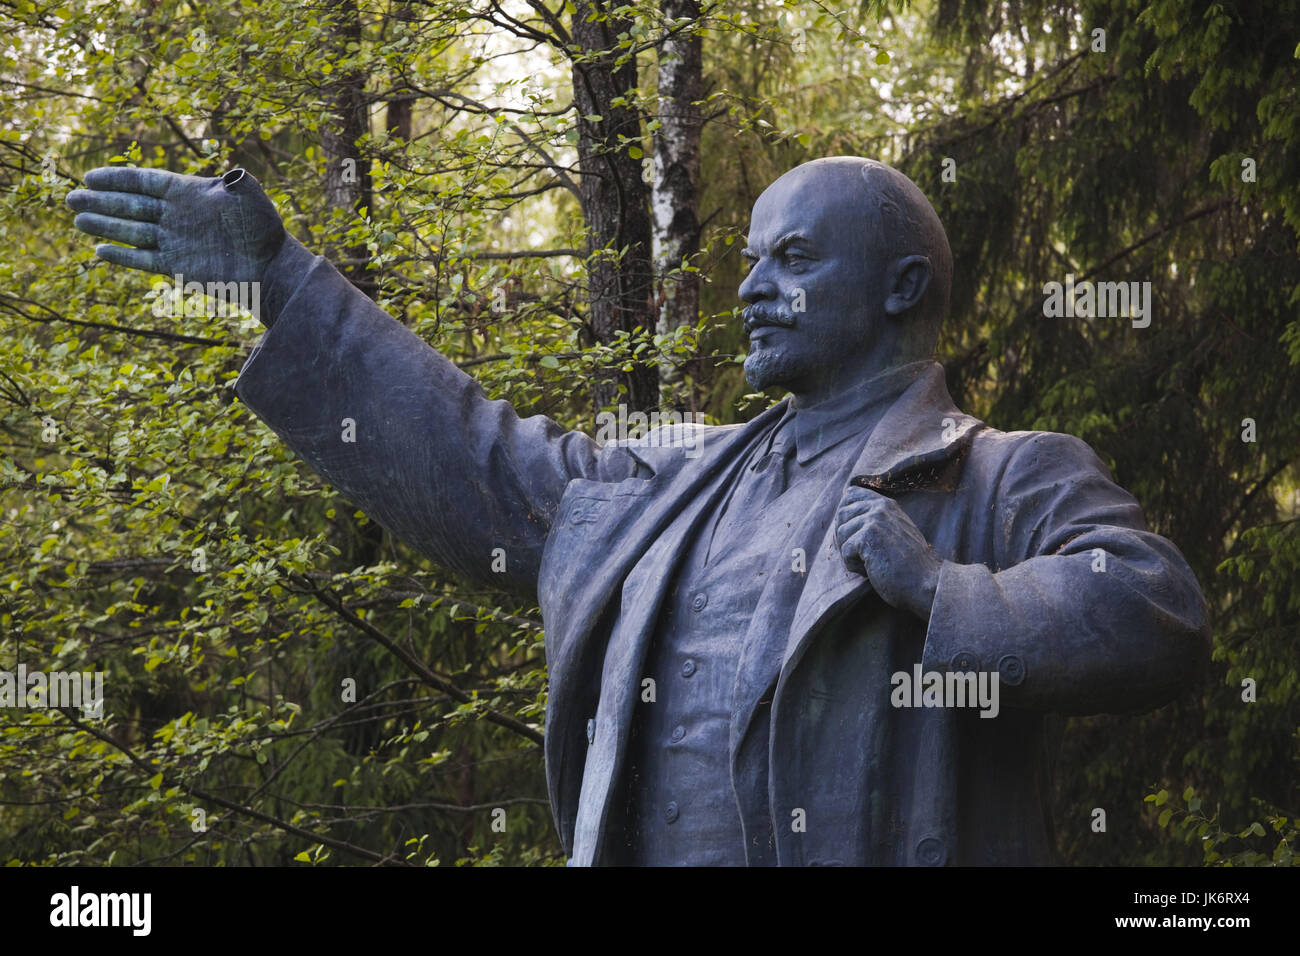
921,431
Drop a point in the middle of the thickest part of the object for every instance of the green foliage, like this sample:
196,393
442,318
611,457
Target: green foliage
1270,843
157,532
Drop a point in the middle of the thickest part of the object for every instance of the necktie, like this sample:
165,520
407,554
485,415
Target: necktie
769,474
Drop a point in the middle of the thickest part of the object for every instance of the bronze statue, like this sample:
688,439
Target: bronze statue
842,633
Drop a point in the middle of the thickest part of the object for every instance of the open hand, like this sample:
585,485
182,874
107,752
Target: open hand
217,229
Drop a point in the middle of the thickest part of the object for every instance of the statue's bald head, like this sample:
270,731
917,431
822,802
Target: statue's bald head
904,223
850,259
896,218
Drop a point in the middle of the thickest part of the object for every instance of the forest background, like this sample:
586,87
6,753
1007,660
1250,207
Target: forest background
554,194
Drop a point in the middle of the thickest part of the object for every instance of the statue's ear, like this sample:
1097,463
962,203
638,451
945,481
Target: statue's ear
906,281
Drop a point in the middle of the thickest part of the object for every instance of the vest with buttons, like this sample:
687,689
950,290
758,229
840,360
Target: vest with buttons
678,805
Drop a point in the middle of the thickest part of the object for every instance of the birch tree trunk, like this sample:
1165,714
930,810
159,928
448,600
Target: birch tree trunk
675,192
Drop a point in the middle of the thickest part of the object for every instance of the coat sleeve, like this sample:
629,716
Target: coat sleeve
411,439
1083,610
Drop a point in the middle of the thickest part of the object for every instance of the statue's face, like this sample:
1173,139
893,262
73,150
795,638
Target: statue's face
815,289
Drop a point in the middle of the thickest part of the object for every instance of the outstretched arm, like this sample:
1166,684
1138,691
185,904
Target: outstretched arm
412,439
383,417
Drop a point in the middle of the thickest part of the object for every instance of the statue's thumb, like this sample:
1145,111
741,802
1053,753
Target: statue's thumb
232,180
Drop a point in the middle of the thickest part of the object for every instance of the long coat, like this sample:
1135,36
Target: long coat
1050,579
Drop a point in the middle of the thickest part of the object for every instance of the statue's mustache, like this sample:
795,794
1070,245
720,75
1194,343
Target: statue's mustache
758,316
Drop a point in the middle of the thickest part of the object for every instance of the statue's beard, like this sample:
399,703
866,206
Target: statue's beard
766,366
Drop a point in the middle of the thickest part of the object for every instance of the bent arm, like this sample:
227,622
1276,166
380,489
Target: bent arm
407,436
1091,613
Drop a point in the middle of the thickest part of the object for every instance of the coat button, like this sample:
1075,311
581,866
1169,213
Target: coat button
964,661
678,734
670,812
591,731
931,852
688,667
698,602
1011,670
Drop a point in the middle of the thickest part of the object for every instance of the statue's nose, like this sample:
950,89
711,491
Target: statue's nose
758,285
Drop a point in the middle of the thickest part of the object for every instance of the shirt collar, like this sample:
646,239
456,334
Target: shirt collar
820,427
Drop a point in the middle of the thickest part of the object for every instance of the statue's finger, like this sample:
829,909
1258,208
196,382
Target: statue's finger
850,510
857,492
846,530
121,205
145,260
852,558
143,235
131,179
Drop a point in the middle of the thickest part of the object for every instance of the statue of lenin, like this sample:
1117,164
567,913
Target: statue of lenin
843,633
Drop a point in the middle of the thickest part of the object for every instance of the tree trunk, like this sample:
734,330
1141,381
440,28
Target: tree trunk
615,199
397,119
348,188
675,192
347,173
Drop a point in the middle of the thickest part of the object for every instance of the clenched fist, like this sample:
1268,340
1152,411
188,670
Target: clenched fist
879,540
